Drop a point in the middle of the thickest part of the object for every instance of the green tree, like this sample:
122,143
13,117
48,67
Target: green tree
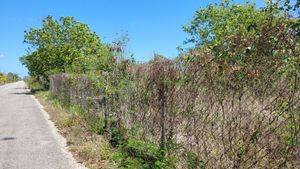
3,79
254,49
245,40
12,77
64,46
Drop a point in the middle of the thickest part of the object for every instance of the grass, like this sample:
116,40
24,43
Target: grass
78,127
83,130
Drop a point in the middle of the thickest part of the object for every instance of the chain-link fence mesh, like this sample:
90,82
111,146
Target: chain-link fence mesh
193,110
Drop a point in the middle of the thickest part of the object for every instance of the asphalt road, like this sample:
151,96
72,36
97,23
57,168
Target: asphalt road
28,140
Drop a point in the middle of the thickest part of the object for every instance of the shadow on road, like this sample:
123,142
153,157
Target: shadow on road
22,93
7,138
21,88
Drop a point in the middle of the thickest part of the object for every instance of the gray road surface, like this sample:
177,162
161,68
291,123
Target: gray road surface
28,140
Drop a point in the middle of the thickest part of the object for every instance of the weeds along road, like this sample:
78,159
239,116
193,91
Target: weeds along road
28,140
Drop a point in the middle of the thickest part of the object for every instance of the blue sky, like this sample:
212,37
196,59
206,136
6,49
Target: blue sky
152,25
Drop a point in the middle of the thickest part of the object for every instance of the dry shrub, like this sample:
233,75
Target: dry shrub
228,117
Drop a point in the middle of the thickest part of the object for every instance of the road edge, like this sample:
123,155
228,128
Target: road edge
62,142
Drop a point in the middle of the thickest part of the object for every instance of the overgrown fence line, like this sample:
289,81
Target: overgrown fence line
197,112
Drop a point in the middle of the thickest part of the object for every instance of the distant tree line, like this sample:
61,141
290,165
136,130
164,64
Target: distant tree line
8,78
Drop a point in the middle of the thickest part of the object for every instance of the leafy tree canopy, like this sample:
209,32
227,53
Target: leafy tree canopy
64,45
12,77
3,79
245,40
9,77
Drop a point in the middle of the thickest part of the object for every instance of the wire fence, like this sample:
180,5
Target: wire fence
237,119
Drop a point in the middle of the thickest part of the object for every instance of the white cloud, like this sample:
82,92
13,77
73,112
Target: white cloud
2,55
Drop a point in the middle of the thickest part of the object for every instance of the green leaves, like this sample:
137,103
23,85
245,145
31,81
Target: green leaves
64,46
8,78
212,25
3,79
247,43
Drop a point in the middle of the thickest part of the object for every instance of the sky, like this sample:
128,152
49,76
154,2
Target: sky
153,26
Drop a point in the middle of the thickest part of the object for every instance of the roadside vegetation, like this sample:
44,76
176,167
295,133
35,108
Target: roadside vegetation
78,127
3,79
230,101
8,78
